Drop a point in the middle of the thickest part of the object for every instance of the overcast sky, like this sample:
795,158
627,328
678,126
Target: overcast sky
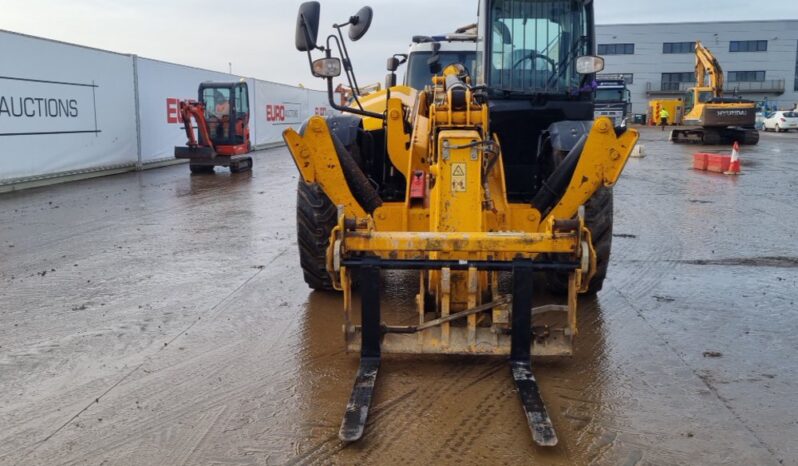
257,36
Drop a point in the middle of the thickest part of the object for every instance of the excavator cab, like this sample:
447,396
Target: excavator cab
227,112
221,116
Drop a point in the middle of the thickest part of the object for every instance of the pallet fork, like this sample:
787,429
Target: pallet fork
357,409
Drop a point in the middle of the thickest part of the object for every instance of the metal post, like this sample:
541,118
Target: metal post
520,362
370,309
357,410
521,337
139,159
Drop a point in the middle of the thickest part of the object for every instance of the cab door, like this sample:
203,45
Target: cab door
241,111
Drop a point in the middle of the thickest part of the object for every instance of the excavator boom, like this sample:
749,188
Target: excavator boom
708,67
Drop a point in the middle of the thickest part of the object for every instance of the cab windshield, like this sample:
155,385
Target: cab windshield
534,45
610,95
420,69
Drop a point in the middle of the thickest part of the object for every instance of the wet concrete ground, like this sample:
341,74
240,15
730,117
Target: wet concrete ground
161,318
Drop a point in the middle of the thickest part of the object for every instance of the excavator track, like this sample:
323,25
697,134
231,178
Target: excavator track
715,136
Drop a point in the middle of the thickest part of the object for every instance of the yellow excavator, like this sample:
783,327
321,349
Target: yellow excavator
489,191
710,118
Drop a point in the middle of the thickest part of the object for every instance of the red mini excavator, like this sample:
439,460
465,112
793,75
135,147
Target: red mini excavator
222,120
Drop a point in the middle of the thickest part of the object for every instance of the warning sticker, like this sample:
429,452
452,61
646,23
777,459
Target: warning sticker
458,177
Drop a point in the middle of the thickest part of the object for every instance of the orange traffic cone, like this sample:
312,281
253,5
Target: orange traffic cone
734,165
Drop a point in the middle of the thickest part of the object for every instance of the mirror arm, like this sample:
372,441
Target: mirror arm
310,62
347,67
354,111
347,61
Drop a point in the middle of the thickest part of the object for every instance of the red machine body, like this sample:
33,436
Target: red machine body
221,116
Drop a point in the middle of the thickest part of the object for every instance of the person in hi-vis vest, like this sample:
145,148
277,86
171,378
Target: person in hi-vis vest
663,118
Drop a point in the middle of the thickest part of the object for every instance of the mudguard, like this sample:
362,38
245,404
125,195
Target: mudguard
565,134
345,127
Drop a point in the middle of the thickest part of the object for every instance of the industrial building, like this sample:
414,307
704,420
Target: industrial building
759,58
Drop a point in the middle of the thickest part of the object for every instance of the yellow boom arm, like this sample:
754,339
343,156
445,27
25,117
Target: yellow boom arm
707,67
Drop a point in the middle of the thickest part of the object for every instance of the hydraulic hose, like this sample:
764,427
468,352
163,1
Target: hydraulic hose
555,185
362,190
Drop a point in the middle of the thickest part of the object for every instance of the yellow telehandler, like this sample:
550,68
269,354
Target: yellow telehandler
484,189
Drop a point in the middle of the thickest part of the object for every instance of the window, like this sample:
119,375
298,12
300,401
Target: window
217,102
242,100
612,95
420,70
673,81
535,44
748,46
746,76
616,49
628,78
678,47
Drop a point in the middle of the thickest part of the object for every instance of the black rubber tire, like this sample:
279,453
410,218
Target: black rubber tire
598,218
201,169
315,218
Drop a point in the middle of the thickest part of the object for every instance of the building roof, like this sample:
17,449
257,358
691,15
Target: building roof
685,23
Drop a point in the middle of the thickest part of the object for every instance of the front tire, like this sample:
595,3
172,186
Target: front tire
598,219
316,216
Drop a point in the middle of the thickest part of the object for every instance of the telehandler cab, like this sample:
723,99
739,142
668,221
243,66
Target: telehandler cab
464,182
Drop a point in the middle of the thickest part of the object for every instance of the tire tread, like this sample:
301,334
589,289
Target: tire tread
316,216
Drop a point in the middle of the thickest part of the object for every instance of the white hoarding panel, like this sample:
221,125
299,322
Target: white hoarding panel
63,108
319,104
161,86
278,106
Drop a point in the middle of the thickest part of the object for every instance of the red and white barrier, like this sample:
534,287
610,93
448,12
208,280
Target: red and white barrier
718,163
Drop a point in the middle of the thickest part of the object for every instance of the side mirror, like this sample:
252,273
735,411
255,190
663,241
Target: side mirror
360,23
589,64
307,26
395,61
